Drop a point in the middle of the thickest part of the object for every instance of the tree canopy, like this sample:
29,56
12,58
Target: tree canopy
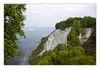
13,24
85,22
76,56
72,53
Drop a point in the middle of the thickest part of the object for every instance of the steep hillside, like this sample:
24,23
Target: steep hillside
73,42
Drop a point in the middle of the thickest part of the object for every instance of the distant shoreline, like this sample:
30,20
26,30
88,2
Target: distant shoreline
26,59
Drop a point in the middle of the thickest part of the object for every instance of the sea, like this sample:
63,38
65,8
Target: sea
28,44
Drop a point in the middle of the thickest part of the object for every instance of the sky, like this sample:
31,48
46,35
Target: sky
47,15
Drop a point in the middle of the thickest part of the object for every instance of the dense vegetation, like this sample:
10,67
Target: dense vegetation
13,23
86,22
37,50
74,53
61,55
72,38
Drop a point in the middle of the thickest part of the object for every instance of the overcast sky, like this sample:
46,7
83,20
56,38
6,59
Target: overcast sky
47,15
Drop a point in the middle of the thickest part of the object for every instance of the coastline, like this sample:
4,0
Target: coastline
26,59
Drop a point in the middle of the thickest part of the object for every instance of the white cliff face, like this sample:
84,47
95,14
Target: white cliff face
59,36
88,32
56,37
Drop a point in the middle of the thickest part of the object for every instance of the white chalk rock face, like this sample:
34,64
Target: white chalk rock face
56,37
59,36
88,32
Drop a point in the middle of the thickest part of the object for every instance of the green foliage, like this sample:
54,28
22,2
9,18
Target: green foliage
13,23
73,39
71,53
59,46
38,49
63,24
48,58
62,57
85,22
88,21
76,56
77,27
45,61
69,22
54,57
78,18
43,39
65,48
78,51
30,60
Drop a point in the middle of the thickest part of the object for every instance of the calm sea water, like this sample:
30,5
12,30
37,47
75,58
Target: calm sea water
33,37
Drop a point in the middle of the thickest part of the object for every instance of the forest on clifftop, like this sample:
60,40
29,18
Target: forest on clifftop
72,53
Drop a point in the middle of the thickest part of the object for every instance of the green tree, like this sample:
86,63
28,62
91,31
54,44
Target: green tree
77,27
73,39
69,22
62,57
54,57
78,18
45,61
88,21
13,24
61,25
65,23
57,26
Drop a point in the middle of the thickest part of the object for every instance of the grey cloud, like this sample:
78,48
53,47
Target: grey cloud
47,15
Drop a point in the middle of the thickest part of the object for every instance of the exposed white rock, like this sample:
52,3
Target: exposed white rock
88,32
59,36
56,37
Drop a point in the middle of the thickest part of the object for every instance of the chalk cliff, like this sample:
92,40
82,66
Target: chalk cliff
59,36
56,37
88,32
